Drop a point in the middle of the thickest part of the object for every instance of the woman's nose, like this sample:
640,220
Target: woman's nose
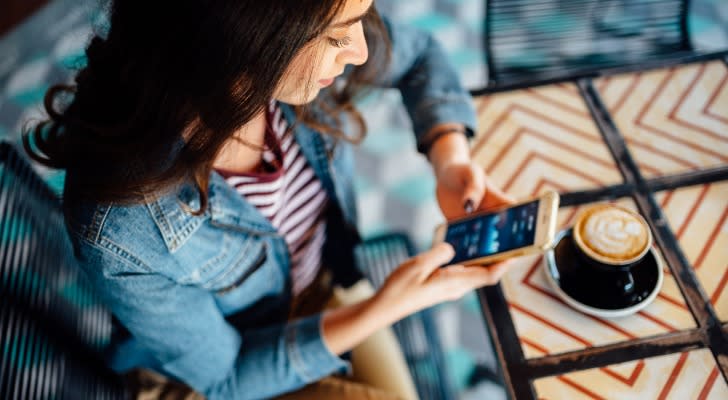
358,52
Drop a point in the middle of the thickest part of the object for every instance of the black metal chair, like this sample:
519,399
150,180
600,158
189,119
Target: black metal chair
540,41
52,328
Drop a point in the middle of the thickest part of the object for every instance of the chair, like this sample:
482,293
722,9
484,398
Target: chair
52,328
541,41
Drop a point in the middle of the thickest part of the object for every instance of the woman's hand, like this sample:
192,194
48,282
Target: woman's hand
462,186
422,281
418,283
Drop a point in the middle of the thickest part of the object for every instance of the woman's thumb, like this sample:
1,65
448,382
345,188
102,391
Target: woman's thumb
430,260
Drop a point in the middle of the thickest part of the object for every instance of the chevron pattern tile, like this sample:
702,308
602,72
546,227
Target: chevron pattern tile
698,216
546,325
542,138
673,120
690,375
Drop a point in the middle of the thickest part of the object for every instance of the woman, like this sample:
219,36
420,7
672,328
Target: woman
208,188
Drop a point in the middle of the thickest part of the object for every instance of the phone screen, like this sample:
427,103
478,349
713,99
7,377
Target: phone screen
488,234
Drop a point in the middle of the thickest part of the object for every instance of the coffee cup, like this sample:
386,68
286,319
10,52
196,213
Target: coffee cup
612,239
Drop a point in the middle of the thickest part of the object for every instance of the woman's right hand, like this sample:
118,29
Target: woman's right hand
421,281
418,283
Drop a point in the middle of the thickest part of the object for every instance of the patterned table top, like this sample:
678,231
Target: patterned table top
547,325
673,120
543,138
689,375
699,217
672,126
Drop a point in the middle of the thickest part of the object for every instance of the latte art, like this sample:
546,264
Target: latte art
612,234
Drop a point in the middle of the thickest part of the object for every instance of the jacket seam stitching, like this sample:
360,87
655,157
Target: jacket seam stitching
225,250
259,262
296,359
115,249
97,226
234,265
162,224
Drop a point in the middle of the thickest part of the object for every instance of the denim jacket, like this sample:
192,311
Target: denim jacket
203,299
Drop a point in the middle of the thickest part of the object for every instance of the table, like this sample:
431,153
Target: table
656,142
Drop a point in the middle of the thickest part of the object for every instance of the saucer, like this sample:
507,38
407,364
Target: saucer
596,292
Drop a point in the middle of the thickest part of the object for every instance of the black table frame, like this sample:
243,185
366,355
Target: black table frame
519,373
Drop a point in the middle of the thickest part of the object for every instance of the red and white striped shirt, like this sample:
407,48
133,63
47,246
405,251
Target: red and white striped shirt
291,196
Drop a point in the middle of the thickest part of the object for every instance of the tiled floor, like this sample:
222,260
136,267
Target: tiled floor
691,375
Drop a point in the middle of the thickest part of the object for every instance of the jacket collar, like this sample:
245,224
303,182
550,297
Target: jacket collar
226,207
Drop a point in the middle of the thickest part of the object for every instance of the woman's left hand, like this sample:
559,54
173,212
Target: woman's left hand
464,187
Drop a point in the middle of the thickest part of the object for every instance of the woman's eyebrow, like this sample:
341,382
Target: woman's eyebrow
353,20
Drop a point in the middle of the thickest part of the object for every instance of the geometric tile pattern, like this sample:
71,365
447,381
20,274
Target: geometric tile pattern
673,120
541,138
546,325
698,216
684,376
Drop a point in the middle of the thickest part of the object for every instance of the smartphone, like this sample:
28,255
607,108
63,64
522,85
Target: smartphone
485,237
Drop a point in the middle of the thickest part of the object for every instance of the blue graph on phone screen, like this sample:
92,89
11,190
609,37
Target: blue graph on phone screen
488,234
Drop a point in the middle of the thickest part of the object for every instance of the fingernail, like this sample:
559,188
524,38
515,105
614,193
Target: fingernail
468,206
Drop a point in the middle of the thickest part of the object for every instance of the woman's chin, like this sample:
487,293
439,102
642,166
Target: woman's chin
299,99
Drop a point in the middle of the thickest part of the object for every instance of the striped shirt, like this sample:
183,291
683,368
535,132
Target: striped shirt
290,195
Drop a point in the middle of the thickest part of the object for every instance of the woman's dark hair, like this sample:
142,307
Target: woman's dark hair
172,81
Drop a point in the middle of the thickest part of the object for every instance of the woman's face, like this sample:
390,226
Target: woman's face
319,63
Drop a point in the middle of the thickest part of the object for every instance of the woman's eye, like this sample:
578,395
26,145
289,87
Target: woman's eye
343,42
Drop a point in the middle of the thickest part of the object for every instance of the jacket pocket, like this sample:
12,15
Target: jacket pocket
255,266
236,259
250,278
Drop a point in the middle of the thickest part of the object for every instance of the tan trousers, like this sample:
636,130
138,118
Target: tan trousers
378,361
379,368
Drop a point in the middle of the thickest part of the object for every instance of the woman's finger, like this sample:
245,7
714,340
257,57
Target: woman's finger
494,197
427,262
473,187
473,277
495,272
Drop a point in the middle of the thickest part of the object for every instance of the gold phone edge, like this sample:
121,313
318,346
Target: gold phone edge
554,199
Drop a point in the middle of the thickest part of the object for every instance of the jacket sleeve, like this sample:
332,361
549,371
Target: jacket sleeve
430,87
193,342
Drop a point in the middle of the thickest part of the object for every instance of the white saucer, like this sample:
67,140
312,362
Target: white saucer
566,280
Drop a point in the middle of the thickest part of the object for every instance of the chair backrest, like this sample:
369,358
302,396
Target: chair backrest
52,327
531,41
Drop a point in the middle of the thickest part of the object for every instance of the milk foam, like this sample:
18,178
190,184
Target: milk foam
614,233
